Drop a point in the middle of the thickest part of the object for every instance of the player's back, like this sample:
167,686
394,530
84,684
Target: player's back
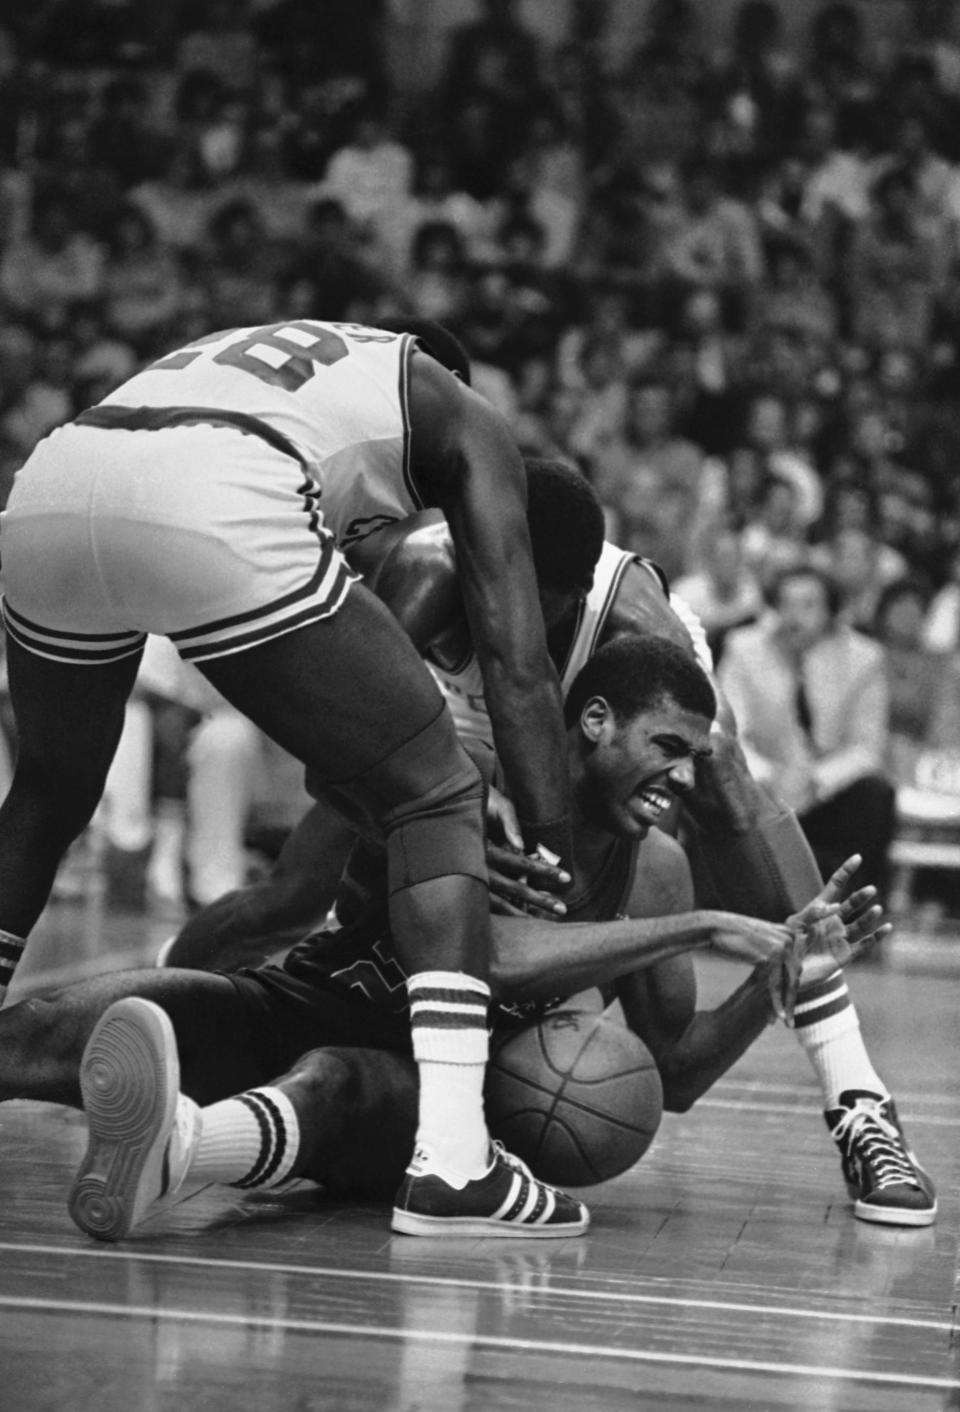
334,395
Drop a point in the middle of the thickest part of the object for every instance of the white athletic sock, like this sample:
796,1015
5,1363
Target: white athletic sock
11,949
448,1016
248,1141
827,1027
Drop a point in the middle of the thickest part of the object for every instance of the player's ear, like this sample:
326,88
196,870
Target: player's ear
595,719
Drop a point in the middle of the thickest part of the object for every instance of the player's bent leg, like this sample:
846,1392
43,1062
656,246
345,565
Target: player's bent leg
352,699
69,720
244,926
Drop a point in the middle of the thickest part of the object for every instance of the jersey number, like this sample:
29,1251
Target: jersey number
284,355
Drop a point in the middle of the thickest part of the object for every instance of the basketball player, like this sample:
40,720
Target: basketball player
639,718
212,499
750,846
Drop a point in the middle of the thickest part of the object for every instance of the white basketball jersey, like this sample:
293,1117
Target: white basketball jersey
336,393
463,685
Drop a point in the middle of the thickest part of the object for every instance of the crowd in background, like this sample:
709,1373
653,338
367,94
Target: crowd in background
722,280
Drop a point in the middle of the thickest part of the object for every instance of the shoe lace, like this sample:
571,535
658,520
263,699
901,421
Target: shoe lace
878,1143
512,1160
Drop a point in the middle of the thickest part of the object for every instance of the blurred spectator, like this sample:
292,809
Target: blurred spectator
142,287
218,40
436,281
264,180
494,57
898,265
53,265
774,538
240,267
371,172
863,568
123,139
434,197
941,629
716,244
811,700
648,478
723,593
327,276
180,201
924,685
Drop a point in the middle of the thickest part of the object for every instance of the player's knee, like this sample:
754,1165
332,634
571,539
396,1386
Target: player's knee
436,828
42,1025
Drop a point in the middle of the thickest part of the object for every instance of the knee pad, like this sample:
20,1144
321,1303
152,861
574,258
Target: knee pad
427,797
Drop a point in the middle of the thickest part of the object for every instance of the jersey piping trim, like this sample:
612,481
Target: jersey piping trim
408,346
113,417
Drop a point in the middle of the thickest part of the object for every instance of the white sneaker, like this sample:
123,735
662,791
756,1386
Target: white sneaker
142,1129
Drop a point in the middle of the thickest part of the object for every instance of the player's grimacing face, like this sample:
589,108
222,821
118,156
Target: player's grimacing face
639,766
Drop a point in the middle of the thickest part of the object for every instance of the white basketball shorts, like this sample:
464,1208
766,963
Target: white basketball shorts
202,533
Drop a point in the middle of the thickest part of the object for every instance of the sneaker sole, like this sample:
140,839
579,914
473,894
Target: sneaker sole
409,1223
129,1079
894,1215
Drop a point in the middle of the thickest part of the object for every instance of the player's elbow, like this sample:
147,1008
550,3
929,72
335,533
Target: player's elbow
680,1092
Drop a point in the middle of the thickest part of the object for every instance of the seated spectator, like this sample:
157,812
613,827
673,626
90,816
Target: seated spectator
142,287
53,265
181,199
436,282
924,685
434,197
774,537
941,629
724,592
328,275
898,266
716,245
648,478
371,173
811,699
862,567
263,179
240,267
767,431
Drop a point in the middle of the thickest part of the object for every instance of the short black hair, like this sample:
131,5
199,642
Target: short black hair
566,523
635,672
806,570
437,340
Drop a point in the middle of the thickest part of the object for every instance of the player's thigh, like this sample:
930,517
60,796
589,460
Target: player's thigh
340,695
69,717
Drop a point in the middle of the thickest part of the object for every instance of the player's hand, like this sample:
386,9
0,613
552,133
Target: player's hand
502,822
523,885
828,946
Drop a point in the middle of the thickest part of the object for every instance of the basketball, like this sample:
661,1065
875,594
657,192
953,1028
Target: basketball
576,1096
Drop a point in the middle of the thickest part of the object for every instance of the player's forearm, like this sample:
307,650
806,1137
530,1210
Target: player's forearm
530,740
539,960
712,1041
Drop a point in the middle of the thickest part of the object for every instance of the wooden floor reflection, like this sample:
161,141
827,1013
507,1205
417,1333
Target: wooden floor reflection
725,1271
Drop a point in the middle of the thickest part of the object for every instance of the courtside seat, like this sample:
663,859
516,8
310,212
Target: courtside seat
927,836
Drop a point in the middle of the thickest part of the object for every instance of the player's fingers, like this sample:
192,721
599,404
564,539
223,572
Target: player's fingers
867,943
866,925
856,902
836,884
526,899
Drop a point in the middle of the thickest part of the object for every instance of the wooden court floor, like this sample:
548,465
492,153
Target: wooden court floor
724,1271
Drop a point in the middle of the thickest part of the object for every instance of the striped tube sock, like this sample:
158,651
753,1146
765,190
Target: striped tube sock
448,1016
248,1141
827,1027
11,949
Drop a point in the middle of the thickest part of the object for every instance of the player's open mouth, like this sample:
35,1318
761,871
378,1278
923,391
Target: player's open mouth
654,802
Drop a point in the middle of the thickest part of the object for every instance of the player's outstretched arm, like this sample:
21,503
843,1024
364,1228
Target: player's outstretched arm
244,926
465,455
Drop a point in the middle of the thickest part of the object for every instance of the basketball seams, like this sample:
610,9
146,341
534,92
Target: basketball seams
575,1129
